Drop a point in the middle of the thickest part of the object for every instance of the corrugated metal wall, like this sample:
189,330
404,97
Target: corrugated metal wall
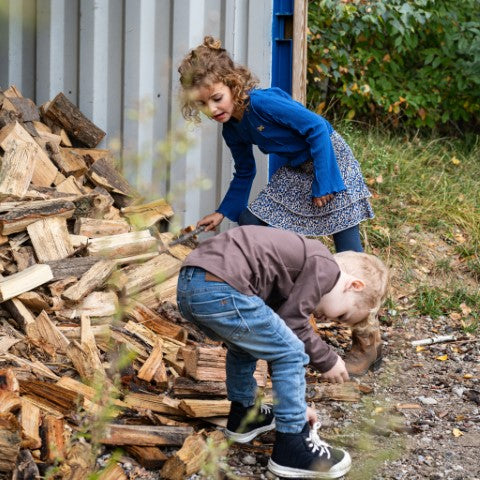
117,60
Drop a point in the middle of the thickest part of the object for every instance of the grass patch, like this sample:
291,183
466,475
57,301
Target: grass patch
429,184
434,302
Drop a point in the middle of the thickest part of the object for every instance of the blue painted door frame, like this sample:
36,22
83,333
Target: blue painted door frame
282,54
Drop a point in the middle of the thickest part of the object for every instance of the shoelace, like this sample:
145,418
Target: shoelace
316,443
265,409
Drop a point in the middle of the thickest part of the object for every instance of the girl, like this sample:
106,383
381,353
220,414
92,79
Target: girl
319,190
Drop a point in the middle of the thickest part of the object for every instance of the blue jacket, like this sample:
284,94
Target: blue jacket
280,125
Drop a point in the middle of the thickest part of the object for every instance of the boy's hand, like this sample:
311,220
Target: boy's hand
337,374
211,221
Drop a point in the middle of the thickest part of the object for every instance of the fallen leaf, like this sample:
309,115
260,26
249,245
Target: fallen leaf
457,433
455,316
442,358
466,310
420,348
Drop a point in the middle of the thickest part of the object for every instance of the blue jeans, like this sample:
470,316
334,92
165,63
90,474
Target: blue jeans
348,239
250,330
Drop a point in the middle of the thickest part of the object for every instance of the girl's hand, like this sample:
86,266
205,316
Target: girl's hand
322,201
311,416
211,221
337,374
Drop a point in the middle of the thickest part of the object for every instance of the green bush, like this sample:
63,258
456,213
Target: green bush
410,62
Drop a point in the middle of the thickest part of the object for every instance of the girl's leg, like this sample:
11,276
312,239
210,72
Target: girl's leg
248,218
348,239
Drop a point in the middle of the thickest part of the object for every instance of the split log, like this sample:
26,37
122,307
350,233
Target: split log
36,301
10,440
186,461
94,278
64,113
145,435
205,363
208,363
163,292
69,161
21,314
71,267
30,420
343,392
96,304
89,394
103,174
122,245
154,367
85,356
147,457
96,227
24,281
70,185
151,273
112,472
50,239
147,214
53,434
29,212
155,322
17,169
187,388
50,397
50,334
198,408
44,171
191,457
10,402
23,107
154,403
35,367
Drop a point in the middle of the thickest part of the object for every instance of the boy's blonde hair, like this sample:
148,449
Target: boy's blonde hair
374,274
207,64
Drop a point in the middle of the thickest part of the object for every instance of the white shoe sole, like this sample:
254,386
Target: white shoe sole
248,436
337,471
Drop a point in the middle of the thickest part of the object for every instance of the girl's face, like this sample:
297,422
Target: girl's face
215,101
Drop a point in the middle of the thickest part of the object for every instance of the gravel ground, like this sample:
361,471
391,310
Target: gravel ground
421,420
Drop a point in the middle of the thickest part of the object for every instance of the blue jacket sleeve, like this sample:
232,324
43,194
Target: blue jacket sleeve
286,112
236,198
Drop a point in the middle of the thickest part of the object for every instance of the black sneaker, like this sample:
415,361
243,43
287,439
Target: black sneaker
242,429
305,455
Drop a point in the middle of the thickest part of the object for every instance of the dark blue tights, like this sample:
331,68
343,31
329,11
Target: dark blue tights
348,239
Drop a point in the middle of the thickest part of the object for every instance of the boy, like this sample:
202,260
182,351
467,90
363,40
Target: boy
254,288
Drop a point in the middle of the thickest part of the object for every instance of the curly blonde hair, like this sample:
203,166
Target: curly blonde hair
207,64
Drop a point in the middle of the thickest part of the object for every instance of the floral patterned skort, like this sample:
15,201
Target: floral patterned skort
286,202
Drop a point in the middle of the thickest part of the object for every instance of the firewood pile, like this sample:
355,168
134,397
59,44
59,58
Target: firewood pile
88,281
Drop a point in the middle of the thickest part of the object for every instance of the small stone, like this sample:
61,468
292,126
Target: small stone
249,460
427,400
458,391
